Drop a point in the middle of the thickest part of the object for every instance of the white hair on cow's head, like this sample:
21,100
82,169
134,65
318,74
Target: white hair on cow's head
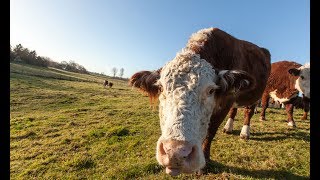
198,38
185,107
303,81
306,65
183,80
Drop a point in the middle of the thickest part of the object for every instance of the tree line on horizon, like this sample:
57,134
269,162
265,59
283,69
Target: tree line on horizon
20,54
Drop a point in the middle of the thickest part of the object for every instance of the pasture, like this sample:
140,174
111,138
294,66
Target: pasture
67,126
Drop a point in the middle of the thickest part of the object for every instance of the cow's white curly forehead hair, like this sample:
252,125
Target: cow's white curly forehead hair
306,65
187,60
186,69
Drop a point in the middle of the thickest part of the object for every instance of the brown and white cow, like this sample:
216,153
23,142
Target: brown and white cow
105,83
286,80
196,90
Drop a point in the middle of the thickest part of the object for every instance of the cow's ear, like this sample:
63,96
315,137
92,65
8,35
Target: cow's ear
234,81
146,82
294,71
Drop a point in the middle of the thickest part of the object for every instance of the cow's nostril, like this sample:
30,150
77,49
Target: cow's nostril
161,149
192,154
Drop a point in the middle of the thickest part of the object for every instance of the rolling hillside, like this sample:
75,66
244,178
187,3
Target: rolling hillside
66,125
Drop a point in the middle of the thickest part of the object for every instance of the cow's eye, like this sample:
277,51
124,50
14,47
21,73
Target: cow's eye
302,77
211,91
160,88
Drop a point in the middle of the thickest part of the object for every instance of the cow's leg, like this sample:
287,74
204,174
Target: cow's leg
305,112
215,122
248,113
229,125
306,107
289,109
256,110
264,105
213,127
305,115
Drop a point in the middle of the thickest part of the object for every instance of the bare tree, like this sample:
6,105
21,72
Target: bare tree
121,72
12,54
114,71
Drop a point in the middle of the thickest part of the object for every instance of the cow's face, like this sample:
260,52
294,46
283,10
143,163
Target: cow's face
303,81
189,88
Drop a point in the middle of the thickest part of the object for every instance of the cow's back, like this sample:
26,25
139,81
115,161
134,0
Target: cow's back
281,81
225,52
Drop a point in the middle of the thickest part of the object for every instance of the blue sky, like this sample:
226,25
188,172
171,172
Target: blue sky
145,34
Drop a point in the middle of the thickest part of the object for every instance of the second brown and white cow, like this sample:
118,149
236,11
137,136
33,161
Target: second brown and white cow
287,79
196,89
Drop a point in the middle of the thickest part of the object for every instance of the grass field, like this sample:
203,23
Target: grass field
67,126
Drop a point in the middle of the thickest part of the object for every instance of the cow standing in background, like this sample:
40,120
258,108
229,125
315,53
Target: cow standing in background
110,84
196,89
105,83
287,79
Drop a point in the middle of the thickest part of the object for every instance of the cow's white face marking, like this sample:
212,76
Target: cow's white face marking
187,100
303,81
187,97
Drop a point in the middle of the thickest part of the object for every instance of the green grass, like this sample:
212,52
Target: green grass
73,128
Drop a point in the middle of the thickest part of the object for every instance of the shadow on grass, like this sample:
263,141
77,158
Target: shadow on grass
138,171
216,167
234,132
276,136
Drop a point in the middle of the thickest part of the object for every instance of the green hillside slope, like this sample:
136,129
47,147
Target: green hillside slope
66,125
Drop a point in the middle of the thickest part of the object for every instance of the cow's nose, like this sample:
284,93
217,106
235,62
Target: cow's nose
178,154
176,149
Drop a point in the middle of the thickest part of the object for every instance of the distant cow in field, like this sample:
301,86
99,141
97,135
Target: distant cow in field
286,80
110,84
196,89
107,83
